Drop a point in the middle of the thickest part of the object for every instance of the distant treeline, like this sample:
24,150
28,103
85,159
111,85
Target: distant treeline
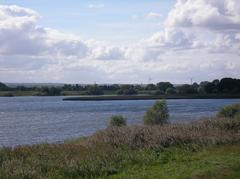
223,86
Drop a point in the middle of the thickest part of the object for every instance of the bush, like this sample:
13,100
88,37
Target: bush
117,121
157,114
229,111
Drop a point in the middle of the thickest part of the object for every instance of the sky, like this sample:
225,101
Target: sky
106,41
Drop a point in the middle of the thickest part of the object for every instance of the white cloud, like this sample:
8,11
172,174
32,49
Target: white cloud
212,14
221,17
153,15
17,27
96,6
16,12
20,35
105,51
172,38
226,43
32,53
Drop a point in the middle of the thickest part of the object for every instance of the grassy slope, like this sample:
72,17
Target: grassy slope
222,161
215,162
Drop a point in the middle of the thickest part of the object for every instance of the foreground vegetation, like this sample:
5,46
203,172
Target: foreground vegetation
207,148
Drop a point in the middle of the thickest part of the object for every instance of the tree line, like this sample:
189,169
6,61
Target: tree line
223,86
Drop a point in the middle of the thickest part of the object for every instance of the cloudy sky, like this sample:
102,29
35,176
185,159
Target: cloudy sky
106,41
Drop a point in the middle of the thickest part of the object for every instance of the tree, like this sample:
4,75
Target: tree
157,114
171,91
54,91
186,89
201,88
216,82
227,85
163,86
210,88
113,87
117,121
51,91
195,85
150,87
94,90
159,92
67,87
130,91
127,90
3,87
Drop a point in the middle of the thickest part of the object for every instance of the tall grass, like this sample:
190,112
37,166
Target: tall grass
207,132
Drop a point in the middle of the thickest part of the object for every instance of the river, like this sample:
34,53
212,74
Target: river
32,120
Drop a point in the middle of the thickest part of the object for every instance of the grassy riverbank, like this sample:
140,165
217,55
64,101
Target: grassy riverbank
198,150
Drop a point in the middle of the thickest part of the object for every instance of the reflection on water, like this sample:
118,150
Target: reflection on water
29,120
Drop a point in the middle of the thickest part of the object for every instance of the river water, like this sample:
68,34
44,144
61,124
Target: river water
31,120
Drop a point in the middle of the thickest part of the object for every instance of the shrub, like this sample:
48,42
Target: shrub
117,121
157,114
229,111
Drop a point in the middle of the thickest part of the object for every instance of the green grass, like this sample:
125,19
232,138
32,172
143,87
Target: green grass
221,161
214,162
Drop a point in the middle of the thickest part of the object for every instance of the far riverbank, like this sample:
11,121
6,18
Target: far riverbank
148,97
